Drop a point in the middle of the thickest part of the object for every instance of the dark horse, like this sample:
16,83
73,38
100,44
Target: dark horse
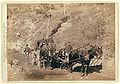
84,59
56,61
74,58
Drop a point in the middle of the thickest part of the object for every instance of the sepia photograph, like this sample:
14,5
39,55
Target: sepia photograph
60,41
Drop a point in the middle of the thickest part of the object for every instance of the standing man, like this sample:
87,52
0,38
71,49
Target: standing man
27,51
36,57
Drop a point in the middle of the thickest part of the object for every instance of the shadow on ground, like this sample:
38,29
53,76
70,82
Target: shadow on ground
91,69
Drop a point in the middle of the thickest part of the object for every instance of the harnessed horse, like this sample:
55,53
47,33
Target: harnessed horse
93,53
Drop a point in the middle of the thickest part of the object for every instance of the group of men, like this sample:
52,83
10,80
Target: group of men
39,55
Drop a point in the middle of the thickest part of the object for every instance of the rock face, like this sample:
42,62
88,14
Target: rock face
78,24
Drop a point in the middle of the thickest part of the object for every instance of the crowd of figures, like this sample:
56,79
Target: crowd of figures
45,55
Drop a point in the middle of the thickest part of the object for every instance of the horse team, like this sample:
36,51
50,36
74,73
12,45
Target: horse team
44,55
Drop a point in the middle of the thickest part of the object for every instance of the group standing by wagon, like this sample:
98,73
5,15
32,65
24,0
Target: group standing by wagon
46,55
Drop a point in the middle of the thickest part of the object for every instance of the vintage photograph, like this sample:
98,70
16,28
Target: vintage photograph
60,41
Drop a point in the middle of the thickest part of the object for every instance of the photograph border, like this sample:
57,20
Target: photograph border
4,42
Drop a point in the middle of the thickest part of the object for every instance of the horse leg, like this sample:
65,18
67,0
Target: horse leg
67,66
47,64
38,63
82,69
85,73
86,70
70,68
52,64
61,66
43,65
52,68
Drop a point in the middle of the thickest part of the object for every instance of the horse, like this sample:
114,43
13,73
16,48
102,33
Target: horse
75,57
82,57
56,61
92,53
